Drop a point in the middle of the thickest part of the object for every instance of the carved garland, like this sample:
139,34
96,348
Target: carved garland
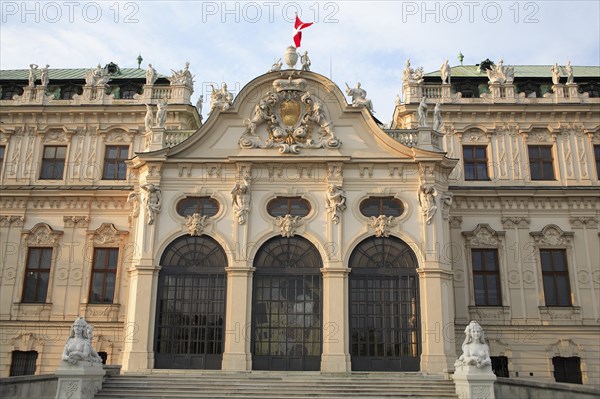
290,113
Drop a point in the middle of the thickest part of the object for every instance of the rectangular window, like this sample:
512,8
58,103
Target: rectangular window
597,156
2,150
114,162
476,163
567,369
23,363
104,275
555,273
500,366
486,277
53,162
37,274
541,164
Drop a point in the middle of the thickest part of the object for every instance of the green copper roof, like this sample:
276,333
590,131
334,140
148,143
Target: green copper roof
521,71
72,74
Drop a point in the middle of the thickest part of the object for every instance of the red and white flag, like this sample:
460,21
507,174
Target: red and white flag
298,26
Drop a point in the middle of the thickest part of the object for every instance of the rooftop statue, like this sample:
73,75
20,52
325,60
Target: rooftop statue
151,75
221,98
445,72
305,61
96,77
32,74
497,74
569,71
555,69
44,80
182,77
412,75
359,97
276,66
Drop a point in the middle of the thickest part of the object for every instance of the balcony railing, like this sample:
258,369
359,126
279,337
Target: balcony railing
498,93
96,95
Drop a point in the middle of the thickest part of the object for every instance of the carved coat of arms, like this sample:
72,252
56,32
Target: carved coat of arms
295,119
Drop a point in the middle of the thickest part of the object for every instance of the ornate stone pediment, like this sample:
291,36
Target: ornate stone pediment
483,236
42,235
108,235
552,236
295,119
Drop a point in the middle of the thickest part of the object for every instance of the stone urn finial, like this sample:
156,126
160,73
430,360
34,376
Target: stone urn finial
291,57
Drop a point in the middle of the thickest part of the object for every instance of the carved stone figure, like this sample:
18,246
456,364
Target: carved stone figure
153,201
161,114
151,75
382,225
410,75
133,199
79,346
96,77
359,97
149,118
427,201
288,224
445,72
196,224
555,69
221,98
437,118
276,66
199,104
32,74
44,80
290,113
475,351
422,112
497,74
182,77
510,74
447,200
569,71
241,200
305,61
335,201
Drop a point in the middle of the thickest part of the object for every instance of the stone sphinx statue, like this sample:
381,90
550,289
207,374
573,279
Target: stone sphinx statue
475,351
79,344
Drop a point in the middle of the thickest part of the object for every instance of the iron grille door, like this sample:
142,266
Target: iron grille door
287,308
384,306
190,318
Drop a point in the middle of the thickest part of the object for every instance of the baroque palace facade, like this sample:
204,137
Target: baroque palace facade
291,230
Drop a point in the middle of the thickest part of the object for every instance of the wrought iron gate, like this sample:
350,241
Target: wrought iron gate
190,314
384,306
286,308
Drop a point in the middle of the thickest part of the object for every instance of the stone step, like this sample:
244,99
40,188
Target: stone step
274,385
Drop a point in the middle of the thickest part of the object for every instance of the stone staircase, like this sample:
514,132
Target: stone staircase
174,384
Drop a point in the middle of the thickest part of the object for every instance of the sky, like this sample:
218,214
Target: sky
350,41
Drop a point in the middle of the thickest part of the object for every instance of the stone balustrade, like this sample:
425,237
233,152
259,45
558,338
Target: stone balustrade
96,95
498,93
423,137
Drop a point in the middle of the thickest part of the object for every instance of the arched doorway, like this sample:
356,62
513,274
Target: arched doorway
286,306
190,313
384,306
